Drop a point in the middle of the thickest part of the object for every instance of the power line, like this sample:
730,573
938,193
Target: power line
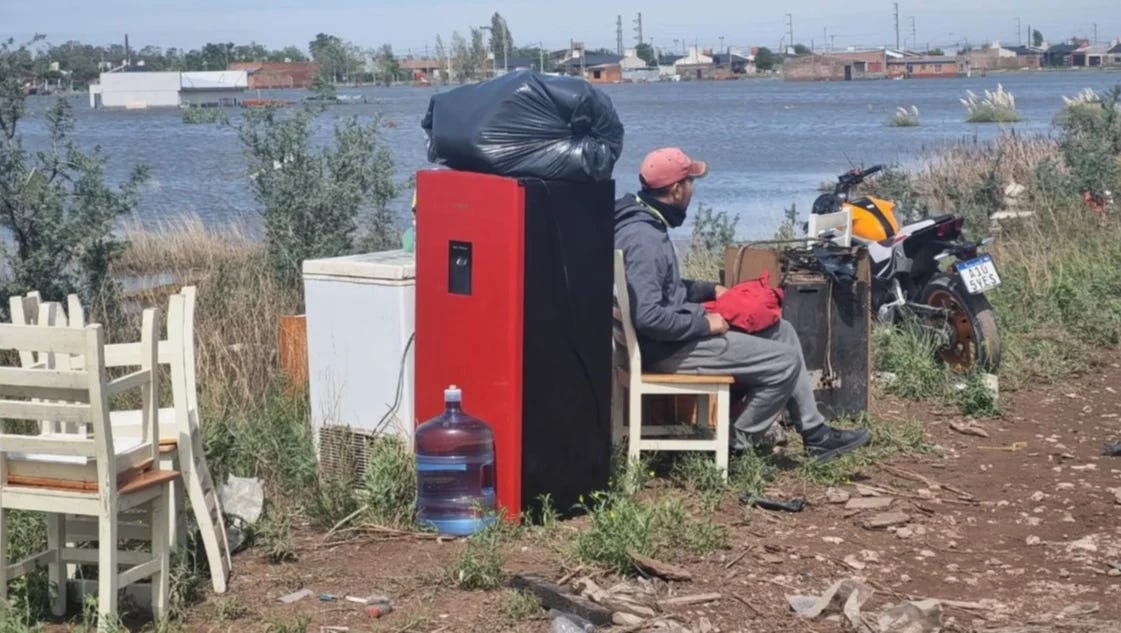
790,28
638,28
914,37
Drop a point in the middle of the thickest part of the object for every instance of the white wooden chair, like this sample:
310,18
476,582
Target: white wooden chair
85,473
180,442
630,384
836,227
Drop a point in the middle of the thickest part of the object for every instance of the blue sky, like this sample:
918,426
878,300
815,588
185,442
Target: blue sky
411,26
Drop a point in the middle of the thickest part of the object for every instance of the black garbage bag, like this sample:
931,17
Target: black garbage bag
525,124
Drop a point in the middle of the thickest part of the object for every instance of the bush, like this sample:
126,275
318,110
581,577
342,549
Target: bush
658,528
195,114
479,565
56,206
1091,141
904,117
996,107
712,233
312,198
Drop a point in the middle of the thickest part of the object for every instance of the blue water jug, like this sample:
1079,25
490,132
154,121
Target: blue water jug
455,470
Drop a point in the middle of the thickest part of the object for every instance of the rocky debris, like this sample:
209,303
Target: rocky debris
886,519
923,616
969,428
844,596
869,503
836,495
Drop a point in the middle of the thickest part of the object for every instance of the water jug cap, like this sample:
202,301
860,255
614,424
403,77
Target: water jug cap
453,394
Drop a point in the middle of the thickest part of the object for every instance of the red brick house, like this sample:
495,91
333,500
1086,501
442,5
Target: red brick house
264,75
922,66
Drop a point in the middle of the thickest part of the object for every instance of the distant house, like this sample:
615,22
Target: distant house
1114,58
734,63
922,67
265,75
426,70
1060,55
839,66
636,69
510,64
135,90
696,64
1089,56
997,57
594,68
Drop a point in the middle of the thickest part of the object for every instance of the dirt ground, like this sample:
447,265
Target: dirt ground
1023,538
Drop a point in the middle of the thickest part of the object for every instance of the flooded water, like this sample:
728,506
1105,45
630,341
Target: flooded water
769,143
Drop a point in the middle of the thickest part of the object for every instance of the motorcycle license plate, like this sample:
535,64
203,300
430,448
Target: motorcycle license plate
978,274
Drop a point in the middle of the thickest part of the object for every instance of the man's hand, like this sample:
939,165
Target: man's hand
720,290
716,323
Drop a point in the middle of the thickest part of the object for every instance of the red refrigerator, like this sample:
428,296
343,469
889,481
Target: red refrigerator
513,304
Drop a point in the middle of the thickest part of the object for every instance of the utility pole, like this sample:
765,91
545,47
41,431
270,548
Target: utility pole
1019,33
638,28
1095,34
825,38
619,35
914,38
722,51
790,28
897,47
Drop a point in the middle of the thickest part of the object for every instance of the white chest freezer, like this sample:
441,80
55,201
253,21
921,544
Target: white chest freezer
360,316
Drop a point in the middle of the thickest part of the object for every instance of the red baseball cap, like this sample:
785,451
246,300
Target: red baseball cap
667,165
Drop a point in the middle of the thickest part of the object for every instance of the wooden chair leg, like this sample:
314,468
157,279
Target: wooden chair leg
161,551
212,542
108,574
3,555
618,411
634,436
56,569
176,503
723,402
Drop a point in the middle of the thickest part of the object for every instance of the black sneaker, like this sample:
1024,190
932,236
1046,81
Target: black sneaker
837,442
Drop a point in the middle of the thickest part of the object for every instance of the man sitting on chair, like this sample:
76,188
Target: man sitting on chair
677,335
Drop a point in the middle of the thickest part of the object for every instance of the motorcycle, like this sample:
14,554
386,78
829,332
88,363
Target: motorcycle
908,277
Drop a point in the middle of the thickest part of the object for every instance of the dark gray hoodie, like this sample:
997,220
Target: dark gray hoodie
665,308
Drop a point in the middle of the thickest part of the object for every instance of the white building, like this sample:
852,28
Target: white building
167,89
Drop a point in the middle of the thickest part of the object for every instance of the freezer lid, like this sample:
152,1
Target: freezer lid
392,265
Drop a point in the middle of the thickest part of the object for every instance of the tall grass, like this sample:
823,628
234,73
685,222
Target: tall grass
904,117
995,107
1060,302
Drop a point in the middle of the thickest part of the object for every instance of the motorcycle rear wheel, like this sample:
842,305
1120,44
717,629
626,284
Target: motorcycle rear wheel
970,324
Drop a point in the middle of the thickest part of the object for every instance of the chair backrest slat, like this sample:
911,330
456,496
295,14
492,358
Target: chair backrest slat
74,413
55,340
630,339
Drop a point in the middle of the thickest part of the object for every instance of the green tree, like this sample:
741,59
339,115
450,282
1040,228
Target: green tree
766,59
335,57
312,197
1036,38
468,60
216,56
388,68
288,53
55,203
936,52
802,49
501,40
645,52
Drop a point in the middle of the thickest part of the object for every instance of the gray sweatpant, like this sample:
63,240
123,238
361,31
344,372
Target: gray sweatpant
768,364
